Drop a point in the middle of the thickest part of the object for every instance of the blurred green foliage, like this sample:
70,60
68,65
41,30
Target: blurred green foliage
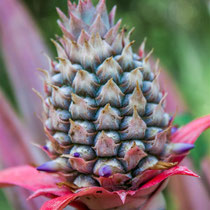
179,30
5,83
4,205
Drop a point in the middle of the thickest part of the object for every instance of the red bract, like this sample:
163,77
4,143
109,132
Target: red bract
190,132
42,183
94,197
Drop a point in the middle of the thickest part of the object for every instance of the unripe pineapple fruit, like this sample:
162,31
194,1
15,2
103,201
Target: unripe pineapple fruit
104,111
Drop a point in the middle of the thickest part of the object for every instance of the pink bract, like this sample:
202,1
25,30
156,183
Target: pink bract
94,197
42,183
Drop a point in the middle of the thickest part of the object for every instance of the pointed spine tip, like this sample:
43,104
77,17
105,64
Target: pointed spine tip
131,43
71,122
75,98
135,112
108,60
180,148
46,167
38,94
107,107
148,55
142,48
138,87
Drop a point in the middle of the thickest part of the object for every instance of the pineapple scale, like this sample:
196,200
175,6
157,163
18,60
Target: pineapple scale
103,110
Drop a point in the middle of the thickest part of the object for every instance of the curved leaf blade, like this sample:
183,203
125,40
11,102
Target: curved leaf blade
190,132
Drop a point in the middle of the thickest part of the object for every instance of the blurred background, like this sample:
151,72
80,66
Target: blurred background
178,30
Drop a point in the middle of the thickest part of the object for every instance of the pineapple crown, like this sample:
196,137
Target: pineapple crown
104,111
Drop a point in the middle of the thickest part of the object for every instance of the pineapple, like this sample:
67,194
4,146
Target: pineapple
104,110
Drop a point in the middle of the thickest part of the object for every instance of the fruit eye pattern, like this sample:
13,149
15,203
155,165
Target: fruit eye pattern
103,110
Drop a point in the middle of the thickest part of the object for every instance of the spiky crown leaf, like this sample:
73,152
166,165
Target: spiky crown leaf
104,110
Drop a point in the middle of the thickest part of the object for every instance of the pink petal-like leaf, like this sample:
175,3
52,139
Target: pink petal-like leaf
190,193
48,192
94,198
177,170
77,205
58,203
29,178
23,49
43,184
190,132
98,197
14,146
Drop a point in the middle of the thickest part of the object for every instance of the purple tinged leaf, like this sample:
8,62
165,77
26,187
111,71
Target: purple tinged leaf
190,193
23,49
206,169
15,150
157,200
